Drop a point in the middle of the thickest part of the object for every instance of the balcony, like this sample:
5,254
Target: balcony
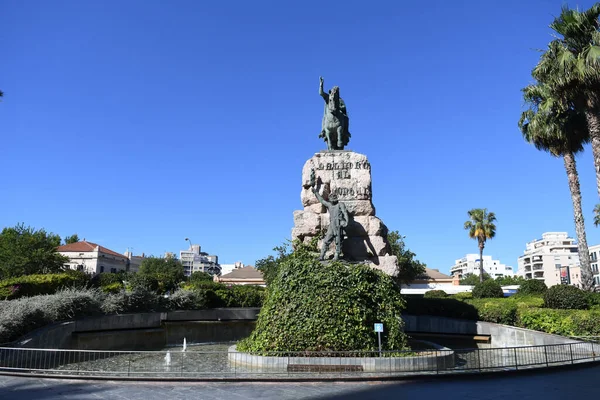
538,274
527,268
528,275
537,258
527,260
538,267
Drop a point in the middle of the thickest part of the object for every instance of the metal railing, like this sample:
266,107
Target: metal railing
193,364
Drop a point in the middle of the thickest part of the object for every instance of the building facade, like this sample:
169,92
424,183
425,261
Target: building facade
594,255
93,258
247,275
554,259
227,268
469,264
194,260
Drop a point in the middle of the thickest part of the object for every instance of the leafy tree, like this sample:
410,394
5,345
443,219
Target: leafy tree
510,280
410,268
562,133
570,67
25,251
472,279
167,271
71,239
269,266
200,276
481,227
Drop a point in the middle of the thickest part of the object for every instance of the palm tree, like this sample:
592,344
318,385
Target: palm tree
562,134
570,67
481,227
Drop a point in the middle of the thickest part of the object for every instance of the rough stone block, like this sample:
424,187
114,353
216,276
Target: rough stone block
375,227
360,207
386,264
378,245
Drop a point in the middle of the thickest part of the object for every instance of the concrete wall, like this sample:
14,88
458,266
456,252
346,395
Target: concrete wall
156,330
144,331
502,335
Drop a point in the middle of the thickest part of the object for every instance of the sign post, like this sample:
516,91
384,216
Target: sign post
379,329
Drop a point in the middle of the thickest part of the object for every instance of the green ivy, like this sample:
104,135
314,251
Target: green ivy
312,306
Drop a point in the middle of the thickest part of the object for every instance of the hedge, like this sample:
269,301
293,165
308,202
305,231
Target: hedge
566,297
487,289
34,285
435,294
561,322
532,286
522,311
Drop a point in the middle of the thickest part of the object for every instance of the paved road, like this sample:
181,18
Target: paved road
549,385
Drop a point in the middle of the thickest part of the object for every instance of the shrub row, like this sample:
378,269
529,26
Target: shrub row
34,285
522,311
20,316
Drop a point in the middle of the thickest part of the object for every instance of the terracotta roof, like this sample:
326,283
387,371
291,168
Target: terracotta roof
434,274
84,246
248,272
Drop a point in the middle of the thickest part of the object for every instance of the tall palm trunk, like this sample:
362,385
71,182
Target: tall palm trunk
593,122
481,261
587,277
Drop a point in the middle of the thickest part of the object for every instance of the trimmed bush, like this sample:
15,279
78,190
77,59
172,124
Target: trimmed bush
115,287
34,285
593,299
241,296
463,296
561,322
499,311
565,297
312,307
435,294
532,287
487,289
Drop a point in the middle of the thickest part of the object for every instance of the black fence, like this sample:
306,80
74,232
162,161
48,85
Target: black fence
198,364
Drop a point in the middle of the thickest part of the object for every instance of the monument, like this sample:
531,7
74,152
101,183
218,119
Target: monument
337,198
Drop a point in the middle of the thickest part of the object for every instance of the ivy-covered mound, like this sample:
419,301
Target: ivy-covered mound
315,307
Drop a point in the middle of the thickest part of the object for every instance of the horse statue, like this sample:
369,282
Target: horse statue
334,128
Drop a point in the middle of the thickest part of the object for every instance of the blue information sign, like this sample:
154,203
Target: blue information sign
378,327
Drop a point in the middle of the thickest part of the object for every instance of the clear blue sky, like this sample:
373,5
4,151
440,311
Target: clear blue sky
139,123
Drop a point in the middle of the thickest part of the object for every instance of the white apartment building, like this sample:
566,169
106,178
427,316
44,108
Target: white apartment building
469,264
93,259
194,260
594,255
553,258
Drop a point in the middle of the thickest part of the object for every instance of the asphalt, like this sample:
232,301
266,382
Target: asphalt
548,385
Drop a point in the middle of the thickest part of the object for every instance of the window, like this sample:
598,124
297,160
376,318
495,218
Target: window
102,268
557,266
113,270
80,267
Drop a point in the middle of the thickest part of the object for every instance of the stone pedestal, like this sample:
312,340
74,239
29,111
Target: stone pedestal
348,174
